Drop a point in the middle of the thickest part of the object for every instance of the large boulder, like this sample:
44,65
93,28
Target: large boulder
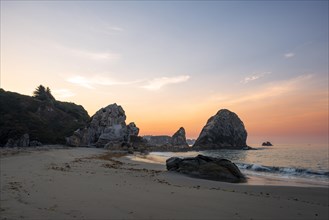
179,138
223,130
206,168
107,128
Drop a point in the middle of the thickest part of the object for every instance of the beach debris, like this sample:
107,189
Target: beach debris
206,168
223,130
66,167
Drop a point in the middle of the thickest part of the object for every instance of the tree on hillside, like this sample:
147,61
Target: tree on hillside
48,92
43,93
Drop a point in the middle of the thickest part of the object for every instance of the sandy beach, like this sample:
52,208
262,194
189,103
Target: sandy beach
89,183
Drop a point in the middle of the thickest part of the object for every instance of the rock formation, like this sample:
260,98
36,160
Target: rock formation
23,141
157,140
267,143
223,130
177,142
206,168
107,128
179,138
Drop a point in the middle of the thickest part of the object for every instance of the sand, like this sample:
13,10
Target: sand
87,183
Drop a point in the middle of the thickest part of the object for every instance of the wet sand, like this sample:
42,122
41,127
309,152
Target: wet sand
88,183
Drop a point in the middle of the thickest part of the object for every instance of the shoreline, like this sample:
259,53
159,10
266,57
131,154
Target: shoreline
269,179
93,183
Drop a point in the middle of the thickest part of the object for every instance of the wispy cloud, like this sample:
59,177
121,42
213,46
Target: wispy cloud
158,83
63,93
91,82
153,84
270,90
254,76
101,56
288,55
81,81
115,28
88,54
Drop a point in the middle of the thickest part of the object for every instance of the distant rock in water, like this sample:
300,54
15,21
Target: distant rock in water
206,168
223,130
179,138
177,142
267,143
107,129
157,140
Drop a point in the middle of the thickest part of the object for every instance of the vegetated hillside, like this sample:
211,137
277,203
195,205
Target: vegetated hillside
42,117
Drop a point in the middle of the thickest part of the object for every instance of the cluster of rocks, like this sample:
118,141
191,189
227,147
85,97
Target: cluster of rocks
23,141
206,168
107,129
267,143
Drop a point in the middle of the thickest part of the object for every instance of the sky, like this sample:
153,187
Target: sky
176,63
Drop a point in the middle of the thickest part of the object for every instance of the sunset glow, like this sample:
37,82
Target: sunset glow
175,64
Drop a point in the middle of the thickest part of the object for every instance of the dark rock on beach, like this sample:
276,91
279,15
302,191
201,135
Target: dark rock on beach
206,168
223,130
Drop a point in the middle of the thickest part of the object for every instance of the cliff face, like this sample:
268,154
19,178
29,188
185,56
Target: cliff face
45,121
223,130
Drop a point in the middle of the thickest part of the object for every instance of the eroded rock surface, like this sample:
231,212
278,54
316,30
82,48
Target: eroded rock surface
107,128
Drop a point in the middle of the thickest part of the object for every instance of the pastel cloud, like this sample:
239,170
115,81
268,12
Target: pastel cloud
63,93
270,90
88,54
81,81
91,82
289,55
158,83
254,76
153,84
101,56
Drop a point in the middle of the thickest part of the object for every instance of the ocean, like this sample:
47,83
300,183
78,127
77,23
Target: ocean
283,164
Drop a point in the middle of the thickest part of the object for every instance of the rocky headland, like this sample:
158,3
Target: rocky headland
32,120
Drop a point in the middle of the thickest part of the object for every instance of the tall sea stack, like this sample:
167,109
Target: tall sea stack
224,130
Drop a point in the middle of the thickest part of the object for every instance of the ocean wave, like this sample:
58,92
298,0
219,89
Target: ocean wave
282,170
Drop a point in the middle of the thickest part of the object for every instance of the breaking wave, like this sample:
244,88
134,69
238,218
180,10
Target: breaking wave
291,171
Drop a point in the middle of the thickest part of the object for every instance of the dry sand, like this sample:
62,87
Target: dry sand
87,183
